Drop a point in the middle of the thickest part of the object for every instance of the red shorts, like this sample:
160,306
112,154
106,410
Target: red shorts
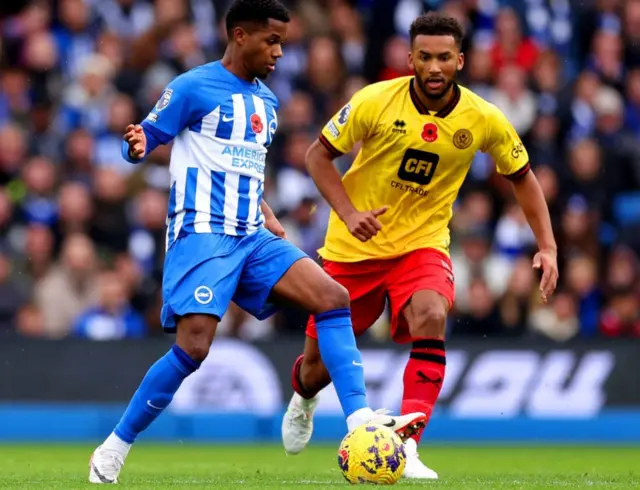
371,282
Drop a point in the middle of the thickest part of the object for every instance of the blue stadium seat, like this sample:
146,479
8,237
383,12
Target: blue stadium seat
626,208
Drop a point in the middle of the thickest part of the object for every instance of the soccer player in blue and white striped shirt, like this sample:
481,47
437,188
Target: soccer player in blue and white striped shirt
223,241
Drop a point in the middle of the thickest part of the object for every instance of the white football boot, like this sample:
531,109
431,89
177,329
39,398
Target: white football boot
105,466
403,425
416,469
297,424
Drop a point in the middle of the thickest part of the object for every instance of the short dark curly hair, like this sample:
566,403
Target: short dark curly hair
435,24
258,11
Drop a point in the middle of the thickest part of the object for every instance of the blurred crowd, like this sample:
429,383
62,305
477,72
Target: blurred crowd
82,231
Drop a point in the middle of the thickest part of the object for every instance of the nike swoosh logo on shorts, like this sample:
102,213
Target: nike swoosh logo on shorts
226,118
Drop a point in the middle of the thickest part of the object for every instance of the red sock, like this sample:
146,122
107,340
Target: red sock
295,380
423,377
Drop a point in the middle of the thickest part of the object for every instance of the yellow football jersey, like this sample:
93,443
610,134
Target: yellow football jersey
414,162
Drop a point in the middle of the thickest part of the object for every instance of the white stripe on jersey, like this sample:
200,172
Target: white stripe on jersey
239,119
231,185
254,185
181,187
203,196
261,138
203,201
210,121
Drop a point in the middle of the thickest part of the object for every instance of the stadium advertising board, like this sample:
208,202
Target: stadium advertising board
484,379
492,382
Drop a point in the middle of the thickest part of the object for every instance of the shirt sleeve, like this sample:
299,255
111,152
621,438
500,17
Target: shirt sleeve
505,147
172,112
170,115
353,123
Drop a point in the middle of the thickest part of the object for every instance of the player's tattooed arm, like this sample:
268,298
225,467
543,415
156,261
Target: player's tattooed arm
361,224
534,205
271,223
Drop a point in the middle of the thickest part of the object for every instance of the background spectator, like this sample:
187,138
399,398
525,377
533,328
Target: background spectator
113,317
82,232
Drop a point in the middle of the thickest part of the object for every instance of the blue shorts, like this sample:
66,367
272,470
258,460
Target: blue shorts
204,272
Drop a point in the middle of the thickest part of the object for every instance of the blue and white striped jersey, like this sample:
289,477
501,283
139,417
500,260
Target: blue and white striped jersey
221,126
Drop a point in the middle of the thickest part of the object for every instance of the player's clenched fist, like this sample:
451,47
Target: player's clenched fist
364,224
137,140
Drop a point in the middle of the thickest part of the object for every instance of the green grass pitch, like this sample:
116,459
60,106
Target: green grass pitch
259,467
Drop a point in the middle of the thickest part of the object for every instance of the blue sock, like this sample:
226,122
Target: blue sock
342,358
155,392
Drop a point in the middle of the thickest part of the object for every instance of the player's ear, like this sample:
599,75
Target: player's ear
410,61
460,61
239,35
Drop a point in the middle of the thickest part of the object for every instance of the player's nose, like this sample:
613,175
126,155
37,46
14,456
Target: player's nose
434,68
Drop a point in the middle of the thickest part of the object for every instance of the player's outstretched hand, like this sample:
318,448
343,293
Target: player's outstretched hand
547,260
273,225
364,224
134,135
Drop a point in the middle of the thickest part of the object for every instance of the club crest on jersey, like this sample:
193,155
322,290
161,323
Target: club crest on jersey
462,139
343,116
203,295
430,132
256,124
164,99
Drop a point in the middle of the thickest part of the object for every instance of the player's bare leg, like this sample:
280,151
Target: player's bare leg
426,316
193,340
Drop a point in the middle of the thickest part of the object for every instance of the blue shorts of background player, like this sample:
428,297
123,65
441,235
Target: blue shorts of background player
203,273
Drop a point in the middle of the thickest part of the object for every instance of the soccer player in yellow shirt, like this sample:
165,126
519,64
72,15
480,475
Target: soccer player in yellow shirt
388,235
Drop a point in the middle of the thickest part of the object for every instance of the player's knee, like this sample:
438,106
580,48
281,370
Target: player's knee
429,320
197,350
195,334
332,296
